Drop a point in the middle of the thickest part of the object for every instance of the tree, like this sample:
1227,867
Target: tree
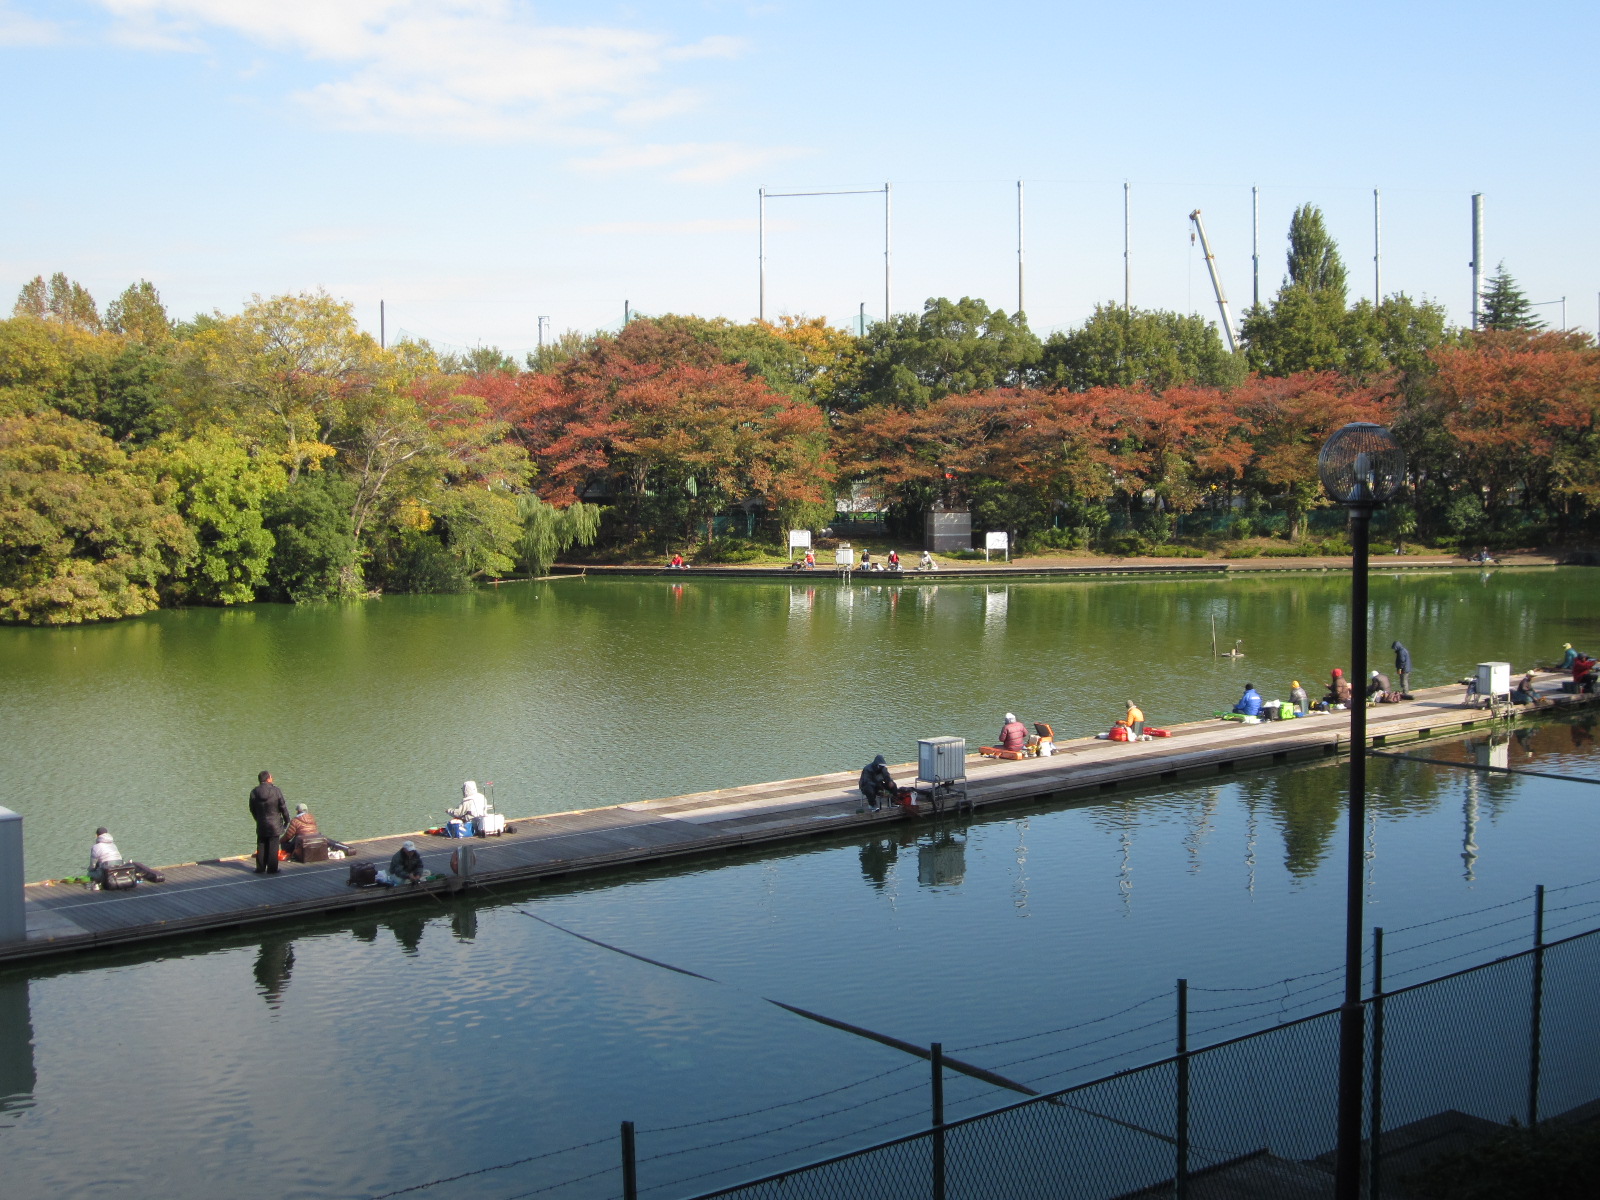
548,530
1117,347
282,372
59,300
911,360
124,387
1304,328
314,549
83,537
1504,305
1397,336
220,491
139,315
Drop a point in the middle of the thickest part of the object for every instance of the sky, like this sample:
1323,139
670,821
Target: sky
478,164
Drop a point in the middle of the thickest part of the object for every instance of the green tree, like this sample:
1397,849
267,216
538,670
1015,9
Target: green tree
59,300
220,492
1304,328
950,348
1396,336
548,530
125,387
83,536
139,315
1504,305
1123,348
314,547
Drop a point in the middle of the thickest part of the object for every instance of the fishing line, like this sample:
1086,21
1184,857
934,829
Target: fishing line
955,1064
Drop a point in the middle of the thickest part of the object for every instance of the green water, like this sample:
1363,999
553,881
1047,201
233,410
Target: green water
579,693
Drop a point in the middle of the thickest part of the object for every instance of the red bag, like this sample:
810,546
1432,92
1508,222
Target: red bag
1119,733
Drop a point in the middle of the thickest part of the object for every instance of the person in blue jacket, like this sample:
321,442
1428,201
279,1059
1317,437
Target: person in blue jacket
1402,665
1250,703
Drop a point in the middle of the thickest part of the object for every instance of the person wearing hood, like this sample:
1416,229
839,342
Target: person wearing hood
1013,734
877,785
104,853
1402,666
1298,698
1250,703
406,865
473,808
303,826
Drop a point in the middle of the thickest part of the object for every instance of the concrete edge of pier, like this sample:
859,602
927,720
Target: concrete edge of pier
225,893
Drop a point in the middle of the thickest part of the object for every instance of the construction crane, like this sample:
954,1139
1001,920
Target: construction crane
1216,281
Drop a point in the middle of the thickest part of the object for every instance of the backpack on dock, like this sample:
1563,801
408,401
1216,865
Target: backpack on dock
363,874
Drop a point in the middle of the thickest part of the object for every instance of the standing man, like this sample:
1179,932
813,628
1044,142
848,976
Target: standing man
1402,666
272,817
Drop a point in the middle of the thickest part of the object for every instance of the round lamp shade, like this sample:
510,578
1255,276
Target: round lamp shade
1361,464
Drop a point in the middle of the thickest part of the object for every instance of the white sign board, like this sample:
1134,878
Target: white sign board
996,541
799,539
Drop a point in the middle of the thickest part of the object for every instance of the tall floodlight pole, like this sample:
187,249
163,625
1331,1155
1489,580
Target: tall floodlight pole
888,305
1020,305
1477,258
1255,246
761,237
1361,466
383,332
1127,277
1377,248
543,321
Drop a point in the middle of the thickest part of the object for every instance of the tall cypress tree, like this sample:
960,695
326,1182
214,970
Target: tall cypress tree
1303,329
1314,261
1504,305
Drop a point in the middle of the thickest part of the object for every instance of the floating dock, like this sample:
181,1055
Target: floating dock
226,893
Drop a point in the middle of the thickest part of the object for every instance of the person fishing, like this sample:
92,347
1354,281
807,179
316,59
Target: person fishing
1250,703
876,784
1402,665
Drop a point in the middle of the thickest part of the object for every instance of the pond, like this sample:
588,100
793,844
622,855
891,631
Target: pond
579,693
479,1042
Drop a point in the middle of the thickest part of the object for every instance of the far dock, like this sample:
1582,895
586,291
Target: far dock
226,893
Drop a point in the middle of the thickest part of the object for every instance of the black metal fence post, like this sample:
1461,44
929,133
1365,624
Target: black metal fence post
1180,1174
937,1059
1375,1112
630,1172
1537,1013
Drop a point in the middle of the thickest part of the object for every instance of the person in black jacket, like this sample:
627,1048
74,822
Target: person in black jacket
1402,666
272,818
876,784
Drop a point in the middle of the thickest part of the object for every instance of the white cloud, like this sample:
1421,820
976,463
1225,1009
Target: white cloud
17,29
457,68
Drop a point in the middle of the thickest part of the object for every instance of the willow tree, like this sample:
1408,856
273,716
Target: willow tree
548,530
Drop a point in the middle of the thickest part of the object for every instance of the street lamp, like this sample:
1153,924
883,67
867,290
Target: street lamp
1361,466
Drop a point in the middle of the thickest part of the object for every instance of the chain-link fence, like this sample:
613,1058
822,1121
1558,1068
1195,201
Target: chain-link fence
1514,1040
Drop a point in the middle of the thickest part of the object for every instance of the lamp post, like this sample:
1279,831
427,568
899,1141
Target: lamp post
1361,465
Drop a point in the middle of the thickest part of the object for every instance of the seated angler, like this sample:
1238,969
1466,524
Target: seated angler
1013,734
1339,690
470,812
104,853
1298,697
876,784
405,867
1250,703
1378,686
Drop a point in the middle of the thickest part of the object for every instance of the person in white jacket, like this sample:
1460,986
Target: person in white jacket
473,808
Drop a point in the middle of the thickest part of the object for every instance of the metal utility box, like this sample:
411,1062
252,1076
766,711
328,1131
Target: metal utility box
947,531
942,759
1494,679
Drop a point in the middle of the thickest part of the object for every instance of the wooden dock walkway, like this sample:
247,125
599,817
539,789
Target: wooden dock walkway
226,893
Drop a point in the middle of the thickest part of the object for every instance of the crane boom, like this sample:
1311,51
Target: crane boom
1216,282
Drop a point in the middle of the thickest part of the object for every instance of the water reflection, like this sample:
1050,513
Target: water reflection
17,1078
274,965
942,862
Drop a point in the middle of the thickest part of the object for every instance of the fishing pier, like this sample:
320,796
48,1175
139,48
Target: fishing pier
225,893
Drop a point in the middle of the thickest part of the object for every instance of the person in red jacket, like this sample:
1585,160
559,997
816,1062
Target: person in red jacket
1013,734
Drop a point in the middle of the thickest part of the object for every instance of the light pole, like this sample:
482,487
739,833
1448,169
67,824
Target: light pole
1361,465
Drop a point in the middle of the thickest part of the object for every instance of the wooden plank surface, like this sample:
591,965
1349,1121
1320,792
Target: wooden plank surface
226,892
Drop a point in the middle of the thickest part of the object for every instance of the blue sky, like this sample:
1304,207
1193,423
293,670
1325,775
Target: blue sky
479,163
